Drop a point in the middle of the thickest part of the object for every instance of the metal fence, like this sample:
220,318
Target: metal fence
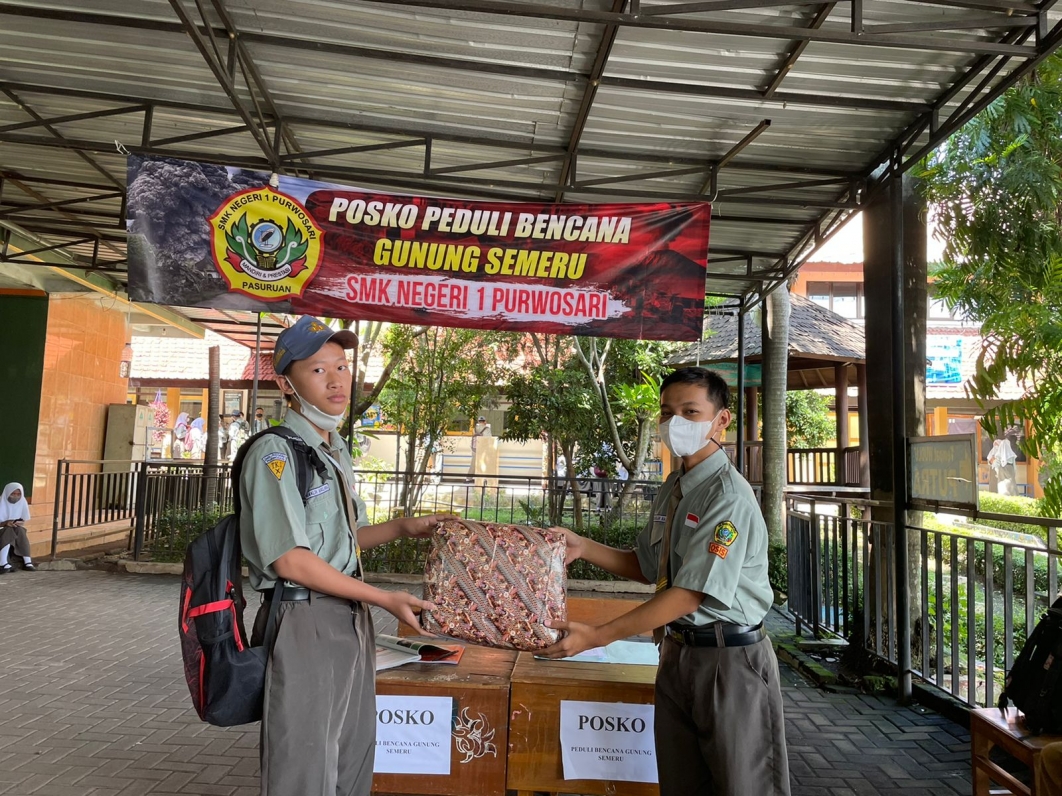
974,593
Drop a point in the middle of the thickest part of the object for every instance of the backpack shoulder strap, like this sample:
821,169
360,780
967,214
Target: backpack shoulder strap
306,461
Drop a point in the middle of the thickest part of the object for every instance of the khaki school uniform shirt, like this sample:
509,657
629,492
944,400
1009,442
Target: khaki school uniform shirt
273,518
718,544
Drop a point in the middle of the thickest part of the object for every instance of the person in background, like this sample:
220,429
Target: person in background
1002,461
180,431
14,514
260,423
239,432
223,438
196,439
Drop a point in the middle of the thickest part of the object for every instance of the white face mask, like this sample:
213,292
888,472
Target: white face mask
684,437
319,418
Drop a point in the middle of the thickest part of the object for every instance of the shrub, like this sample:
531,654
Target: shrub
777,567
176,528
1011,504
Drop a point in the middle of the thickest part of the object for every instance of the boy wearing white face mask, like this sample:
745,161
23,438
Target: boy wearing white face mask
319,717
719,728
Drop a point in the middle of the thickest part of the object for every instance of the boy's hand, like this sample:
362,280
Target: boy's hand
577,638
575,545
419,527
406,608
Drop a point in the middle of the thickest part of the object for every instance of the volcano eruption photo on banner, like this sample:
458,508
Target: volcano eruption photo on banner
203,235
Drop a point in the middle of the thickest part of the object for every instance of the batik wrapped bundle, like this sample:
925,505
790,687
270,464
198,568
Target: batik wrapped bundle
496,585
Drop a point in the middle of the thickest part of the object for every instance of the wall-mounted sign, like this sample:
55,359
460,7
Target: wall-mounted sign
943,469
609,741
943,359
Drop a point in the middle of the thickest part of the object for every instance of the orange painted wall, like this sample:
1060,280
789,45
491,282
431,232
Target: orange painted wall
82,356
826,272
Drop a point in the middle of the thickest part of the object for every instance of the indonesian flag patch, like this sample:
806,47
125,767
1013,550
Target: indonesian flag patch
692,520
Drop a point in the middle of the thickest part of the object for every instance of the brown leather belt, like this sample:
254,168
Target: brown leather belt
718,634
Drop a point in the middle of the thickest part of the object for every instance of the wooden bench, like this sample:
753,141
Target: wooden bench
989,728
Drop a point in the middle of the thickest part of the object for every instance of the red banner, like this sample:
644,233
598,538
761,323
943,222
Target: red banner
621,270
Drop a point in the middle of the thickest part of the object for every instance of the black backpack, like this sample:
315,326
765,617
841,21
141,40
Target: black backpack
1033,681
226,676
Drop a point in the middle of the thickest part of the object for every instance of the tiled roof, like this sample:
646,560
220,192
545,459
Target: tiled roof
814,333
186,358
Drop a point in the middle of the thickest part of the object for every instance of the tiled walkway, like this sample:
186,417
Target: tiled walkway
93,703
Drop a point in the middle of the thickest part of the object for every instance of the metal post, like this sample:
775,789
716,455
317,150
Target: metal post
899,445
740,459
61,471
257,359
140,507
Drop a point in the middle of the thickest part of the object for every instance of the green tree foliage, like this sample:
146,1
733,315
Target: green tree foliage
551,397
807,419
442,375
996,190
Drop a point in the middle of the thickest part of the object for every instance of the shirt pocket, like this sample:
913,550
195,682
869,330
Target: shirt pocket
320,512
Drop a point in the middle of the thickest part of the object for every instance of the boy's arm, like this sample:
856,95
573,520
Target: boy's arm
665,607
370,536
623,563
302,566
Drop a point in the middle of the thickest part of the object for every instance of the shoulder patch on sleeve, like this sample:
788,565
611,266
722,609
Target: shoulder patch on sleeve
724,536
725,533
276,462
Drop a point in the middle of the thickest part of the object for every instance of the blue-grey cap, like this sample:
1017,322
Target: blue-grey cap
305,339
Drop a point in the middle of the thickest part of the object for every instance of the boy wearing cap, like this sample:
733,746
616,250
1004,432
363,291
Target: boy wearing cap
718,700
319,717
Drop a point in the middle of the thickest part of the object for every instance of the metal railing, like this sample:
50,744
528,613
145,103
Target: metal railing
975,593
93,493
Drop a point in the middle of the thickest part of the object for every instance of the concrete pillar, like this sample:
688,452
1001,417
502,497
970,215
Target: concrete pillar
894,229
894,249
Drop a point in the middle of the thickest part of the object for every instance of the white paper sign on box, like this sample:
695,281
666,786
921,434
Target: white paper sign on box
607,740
413,734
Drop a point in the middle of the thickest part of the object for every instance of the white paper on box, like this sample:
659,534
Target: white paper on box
413,734
607,740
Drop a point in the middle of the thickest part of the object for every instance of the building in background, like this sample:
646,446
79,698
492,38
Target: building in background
834,279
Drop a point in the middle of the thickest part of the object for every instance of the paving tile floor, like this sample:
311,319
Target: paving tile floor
93,703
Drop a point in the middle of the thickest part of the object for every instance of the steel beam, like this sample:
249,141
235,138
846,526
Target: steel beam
10,211
798,49
522,145
60,137
349,150
566,176
222,78
725,27
75,117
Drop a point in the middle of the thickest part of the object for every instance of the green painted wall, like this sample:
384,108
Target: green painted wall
23,330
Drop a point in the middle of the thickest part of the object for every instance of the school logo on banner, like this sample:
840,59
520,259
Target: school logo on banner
265,244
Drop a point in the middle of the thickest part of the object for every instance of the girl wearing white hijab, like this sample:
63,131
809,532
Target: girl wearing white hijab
14,514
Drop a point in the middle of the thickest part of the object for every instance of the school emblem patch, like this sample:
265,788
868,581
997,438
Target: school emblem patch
276,462
725,533
724,536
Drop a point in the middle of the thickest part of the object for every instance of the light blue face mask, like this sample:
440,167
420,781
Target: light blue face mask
319,418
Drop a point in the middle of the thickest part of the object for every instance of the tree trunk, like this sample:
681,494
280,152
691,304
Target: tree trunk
775,371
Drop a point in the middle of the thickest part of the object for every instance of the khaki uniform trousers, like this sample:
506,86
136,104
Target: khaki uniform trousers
319,711
719,729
